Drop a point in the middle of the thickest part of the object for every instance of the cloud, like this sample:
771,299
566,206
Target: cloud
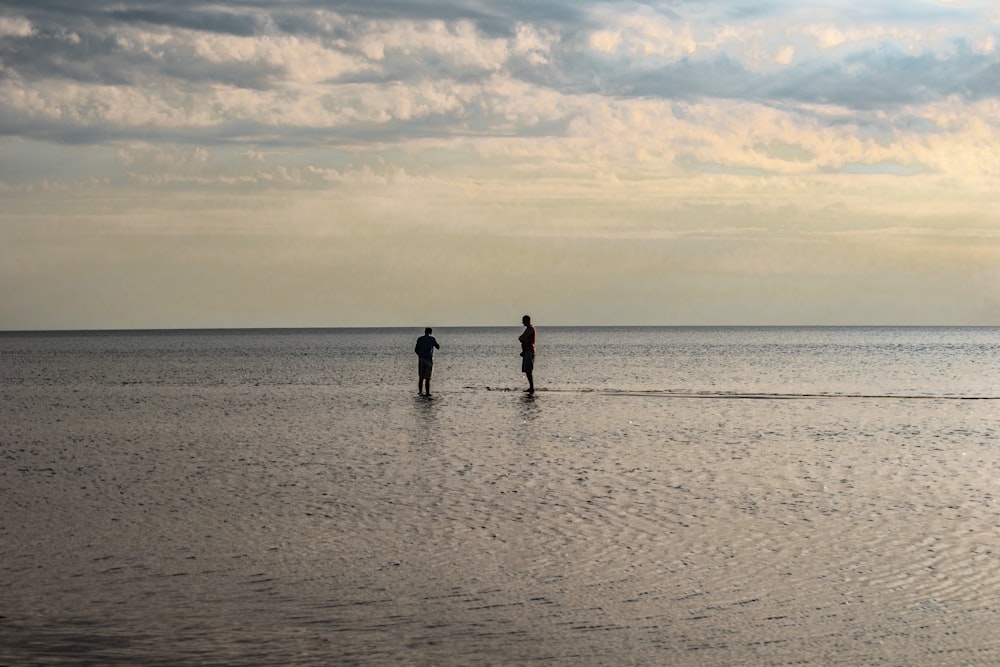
15,27
692,131
200,65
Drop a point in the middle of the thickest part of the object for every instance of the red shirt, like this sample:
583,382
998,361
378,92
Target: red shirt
528,339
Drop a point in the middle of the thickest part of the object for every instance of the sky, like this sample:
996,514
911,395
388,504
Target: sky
307,163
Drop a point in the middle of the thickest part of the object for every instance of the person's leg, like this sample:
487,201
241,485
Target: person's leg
425,376
528,367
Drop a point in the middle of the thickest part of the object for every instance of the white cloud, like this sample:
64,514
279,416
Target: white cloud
299,60
641,34
533,43
648,38
459,43
15,26
605,41
785,55
151,157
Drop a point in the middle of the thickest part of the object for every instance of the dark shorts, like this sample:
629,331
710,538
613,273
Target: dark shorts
425,367
527,362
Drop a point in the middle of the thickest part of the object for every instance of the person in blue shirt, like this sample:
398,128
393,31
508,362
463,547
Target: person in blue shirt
425,365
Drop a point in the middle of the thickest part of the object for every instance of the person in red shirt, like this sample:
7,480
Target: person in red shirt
528,352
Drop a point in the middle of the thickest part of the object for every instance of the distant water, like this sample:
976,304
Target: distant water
688,496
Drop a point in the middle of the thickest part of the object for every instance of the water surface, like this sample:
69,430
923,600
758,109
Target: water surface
670,496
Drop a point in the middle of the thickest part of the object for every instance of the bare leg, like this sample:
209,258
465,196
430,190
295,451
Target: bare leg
531,383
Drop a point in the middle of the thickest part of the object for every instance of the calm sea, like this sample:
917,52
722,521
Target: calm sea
689,496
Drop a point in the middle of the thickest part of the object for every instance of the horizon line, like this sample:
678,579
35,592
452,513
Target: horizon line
139,330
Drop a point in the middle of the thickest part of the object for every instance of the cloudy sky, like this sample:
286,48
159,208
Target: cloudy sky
461,162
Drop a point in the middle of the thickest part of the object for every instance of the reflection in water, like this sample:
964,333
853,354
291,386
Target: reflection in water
425,413
424,407
529,407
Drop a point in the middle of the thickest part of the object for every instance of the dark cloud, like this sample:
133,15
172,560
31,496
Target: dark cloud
88,58
687,79
494,18
294,15
986,82
887,77
225,23
880,77
99,59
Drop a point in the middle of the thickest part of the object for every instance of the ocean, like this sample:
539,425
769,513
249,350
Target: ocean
668,496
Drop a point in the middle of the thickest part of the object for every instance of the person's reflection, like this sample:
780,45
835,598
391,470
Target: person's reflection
529,407
426,420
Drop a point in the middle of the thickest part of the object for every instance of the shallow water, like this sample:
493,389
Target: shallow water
669,496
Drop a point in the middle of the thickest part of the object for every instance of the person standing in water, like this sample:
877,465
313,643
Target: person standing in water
425,364
528,352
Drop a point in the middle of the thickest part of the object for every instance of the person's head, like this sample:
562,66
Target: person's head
428,331
526,320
